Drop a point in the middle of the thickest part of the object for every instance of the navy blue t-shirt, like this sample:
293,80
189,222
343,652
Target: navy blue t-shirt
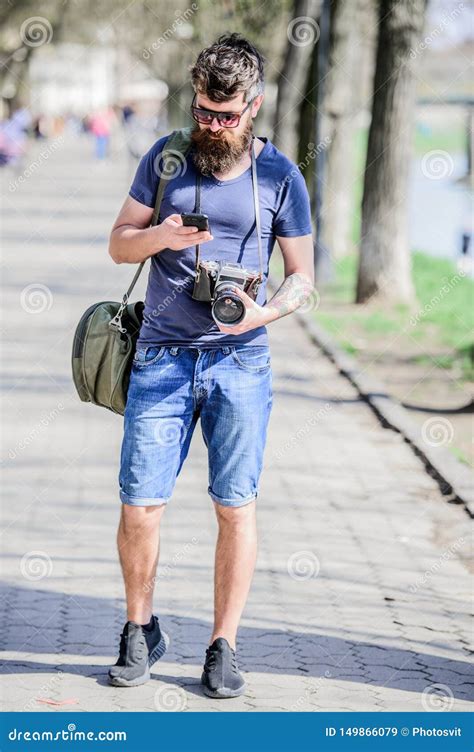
171,316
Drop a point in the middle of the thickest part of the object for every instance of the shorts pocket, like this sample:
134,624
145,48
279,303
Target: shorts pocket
252,359
148,355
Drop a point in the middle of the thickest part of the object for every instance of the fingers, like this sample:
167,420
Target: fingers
249,302
195,235
240,293
177,218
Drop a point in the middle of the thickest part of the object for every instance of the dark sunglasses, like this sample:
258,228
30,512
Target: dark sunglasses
225,119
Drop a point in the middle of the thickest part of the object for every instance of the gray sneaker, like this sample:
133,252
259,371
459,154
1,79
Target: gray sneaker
139,650
221,676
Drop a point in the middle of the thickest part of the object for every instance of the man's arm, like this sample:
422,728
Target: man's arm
298,257
132,240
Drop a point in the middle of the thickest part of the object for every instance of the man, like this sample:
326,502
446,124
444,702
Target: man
188,366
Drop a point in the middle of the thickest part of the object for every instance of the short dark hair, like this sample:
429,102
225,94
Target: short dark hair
229,66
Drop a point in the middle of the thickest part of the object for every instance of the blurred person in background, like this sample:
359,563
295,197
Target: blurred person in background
100,126
14,137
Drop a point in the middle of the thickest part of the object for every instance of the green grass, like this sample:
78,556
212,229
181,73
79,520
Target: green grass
443,315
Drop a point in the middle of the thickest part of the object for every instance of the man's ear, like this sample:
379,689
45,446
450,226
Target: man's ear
256,104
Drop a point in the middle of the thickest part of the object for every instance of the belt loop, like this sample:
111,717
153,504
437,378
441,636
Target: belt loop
174,350
226,350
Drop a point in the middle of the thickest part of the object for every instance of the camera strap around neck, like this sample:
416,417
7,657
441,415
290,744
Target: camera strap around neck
197,208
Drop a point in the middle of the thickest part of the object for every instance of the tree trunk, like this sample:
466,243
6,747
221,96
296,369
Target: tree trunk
347,44
385,263
302,33
337,126
307,127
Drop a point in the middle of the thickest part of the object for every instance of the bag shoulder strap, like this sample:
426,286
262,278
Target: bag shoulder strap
173,156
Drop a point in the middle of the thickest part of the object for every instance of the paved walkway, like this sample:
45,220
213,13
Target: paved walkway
360,597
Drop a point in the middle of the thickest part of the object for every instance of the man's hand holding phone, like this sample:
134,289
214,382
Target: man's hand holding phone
177,236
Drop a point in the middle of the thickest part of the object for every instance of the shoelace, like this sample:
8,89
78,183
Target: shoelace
211,660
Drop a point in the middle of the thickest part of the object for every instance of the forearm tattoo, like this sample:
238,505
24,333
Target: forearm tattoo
291,294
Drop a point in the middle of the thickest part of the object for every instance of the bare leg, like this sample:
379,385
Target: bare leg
138,541
236,553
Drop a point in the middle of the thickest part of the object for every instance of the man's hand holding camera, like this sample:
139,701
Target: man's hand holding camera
294,291
255,315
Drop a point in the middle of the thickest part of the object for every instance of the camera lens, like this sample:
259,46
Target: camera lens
228,309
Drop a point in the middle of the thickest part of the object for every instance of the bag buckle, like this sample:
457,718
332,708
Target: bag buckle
116,322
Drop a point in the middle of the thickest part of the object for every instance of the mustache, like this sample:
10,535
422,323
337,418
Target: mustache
204,137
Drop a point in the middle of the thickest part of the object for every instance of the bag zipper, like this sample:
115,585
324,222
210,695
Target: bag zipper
82,326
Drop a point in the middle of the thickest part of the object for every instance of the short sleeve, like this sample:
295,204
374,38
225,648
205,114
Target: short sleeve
145,182
293,215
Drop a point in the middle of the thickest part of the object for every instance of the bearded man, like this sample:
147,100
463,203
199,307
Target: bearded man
190,365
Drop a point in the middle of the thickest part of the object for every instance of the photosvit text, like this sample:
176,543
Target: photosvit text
379,731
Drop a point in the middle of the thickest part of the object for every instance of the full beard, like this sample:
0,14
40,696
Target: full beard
219,152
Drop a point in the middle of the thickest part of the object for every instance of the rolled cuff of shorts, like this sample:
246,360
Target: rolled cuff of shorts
231,502
135,501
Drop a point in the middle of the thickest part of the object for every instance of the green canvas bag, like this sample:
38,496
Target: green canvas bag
106,336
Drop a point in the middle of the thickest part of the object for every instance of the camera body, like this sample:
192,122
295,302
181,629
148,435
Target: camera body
213,284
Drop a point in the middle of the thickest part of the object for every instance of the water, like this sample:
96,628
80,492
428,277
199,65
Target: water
440,205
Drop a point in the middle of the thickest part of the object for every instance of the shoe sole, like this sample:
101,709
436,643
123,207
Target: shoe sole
154,656
223,692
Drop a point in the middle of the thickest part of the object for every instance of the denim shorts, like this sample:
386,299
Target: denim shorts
229,389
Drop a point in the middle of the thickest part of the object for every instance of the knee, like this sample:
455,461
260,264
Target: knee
236,518
140,520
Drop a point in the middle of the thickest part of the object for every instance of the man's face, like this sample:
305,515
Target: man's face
219,148
237,104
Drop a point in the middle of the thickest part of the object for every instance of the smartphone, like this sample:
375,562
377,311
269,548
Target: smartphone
201,221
